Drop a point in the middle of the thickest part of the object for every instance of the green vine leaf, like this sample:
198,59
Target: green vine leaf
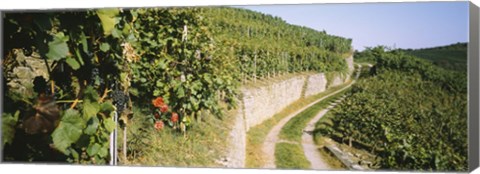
58,48
69,130
180,92
93,149
74,153
92,126
107,107
8,127
83,41
90,109
107,17
103,152
73,63
104,47
90,104
109,124
117,33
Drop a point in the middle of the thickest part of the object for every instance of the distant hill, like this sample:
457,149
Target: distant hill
452,56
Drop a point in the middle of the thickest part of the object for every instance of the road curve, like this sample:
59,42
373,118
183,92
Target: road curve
268,147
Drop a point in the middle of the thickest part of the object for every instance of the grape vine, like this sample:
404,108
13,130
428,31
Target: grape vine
89,64
410,113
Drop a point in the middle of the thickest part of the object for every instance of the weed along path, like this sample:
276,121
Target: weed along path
268,147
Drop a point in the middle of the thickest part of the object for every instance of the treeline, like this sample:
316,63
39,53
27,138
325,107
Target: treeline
452,57
410,113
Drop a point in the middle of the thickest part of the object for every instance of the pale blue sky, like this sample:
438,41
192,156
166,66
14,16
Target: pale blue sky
405,25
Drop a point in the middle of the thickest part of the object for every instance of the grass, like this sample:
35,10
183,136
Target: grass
292,131
290,156
203,144
320,140
257,134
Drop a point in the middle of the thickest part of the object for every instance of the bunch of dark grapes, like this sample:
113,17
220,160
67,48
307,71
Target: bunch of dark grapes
119,100
95,78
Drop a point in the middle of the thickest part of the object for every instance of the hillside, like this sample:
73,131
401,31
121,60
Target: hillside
452,56
411,113
265,45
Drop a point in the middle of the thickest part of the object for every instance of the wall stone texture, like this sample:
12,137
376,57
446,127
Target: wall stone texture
316,83
263,102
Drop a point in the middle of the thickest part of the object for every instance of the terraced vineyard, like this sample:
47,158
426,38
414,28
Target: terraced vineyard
68,75
174,83
410,113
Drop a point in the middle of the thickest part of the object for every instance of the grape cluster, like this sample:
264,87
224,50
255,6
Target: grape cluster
95,78
119,100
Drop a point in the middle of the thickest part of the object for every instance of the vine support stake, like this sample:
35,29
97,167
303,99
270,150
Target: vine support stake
255,67
125,143
113,141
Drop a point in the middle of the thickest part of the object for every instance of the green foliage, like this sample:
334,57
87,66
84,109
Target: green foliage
72,41
87,131
290,156
263,45
68,131
292,131
58,48
199,147
107,17
412,113
8,127
191,57
370,54
177,62
453,57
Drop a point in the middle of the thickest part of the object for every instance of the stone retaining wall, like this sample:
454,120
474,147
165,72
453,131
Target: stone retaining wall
262,103
316,83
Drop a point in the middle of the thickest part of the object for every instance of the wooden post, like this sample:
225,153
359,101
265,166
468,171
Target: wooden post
255,68
286,62
113,141
283,63
125,142
268,58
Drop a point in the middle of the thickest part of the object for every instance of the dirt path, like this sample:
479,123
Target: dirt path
310,149
268,147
